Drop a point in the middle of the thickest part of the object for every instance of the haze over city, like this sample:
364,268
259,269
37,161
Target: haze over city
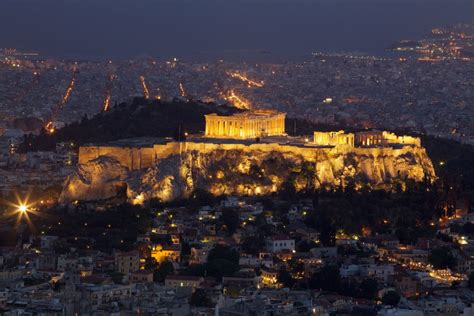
208,28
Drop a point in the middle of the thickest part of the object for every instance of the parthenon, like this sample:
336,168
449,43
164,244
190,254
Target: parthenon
249,124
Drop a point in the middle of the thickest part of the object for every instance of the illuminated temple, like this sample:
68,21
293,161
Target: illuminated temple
221,161
249,124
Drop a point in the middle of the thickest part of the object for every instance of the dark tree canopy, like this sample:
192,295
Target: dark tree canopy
442,258
165,268
391,298
326,279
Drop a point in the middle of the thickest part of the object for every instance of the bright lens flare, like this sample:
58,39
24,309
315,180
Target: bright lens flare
23,208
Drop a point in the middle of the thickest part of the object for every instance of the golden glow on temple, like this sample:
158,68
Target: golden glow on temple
249,124
364,139
221,161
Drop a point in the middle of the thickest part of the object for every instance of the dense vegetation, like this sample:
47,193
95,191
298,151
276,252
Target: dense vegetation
140,118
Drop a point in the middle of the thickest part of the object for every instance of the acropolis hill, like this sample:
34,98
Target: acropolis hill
246,153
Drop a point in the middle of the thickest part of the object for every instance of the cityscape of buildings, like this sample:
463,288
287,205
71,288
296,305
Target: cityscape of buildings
242,218
425,96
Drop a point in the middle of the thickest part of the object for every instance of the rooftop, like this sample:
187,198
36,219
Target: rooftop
253,114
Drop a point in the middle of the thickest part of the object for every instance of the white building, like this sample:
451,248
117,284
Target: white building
280,243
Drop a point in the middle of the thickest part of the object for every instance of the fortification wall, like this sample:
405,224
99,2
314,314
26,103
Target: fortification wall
180,168
392,138
143,158
132,158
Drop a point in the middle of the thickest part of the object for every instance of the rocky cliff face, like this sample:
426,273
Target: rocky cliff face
100,179
249,171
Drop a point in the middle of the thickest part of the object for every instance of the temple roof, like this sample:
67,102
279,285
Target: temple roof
261,113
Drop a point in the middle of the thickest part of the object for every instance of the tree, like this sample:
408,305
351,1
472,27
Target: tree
231,220
252,245
221,267
223,252
442,258
296,266
305,245
368,288
327,279
324,224
151,264
185,249
201,197
117,277
470,282
166,268
391,298
195,270
285,278
288,190
222,261
200,298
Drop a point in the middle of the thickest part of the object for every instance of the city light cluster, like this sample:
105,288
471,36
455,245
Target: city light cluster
249,82
237,101
146,93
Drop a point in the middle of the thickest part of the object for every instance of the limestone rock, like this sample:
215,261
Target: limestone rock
99,179
250,170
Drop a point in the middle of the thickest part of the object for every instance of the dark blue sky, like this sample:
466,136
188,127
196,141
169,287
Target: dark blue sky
184,28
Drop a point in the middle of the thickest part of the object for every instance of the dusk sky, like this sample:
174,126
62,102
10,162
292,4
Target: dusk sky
184,28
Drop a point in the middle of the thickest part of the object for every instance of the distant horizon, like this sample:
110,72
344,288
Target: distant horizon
212,29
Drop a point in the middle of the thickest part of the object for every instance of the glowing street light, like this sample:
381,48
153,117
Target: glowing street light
22,208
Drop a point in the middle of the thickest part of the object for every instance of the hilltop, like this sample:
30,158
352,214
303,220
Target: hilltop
451,160
141,117
146,118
